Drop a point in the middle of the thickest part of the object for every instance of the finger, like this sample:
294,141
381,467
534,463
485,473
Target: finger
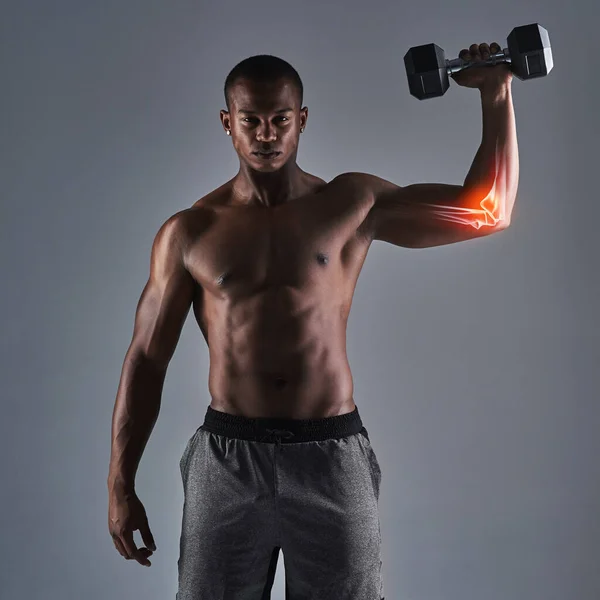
147,537
495,47
119,547
127,550
464,54
484,50
474,51
130,547
144,555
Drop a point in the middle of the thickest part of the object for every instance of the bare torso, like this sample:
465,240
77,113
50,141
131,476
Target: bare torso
274,295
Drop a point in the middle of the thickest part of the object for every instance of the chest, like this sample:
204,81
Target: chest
314,240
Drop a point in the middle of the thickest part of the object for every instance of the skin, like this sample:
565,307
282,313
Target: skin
274,302
269,262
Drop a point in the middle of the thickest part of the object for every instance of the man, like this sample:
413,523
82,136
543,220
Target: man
269,262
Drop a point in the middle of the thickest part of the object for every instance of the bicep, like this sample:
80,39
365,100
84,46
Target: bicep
165,300
424,215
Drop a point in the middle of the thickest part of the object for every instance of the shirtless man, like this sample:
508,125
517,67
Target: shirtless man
270,261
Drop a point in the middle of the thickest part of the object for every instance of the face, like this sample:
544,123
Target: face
259,122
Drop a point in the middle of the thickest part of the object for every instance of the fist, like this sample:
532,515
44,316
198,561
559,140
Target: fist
482,76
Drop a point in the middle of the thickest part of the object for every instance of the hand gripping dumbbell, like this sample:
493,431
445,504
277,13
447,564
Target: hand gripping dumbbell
529,55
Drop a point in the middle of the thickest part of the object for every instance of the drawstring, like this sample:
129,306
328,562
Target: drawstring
277,434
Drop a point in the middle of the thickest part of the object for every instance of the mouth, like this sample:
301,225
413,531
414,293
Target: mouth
267,155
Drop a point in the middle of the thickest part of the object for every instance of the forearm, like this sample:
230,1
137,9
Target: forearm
135,413
493,178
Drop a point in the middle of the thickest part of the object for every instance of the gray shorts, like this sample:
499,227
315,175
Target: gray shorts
252,487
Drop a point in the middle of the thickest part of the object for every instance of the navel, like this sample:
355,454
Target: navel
323,259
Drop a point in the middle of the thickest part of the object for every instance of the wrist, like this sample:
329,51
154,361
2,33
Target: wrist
496,92
117,485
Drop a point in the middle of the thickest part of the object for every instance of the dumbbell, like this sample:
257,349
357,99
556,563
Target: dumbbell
529,55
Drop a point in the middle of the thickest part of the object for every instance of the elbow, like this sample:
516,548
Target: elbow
138,357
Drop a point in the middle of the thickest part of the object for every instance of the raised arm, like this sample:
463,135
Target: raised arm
432,214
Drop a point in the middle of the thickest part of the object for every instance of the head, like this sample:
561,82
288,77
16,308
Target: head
257,93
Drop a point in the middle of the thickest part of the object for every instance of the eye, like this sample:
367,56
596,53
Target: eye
252,119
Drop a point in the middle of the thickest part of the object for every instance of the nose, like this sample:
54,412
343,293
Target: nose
266,133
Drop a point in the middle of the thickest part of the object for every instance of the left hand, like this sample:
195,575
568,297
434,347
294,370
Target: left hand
482,77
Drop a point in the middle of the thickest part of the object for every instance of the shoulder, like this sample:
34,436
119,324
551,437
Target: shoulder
191,222
370,186
374,193
183,226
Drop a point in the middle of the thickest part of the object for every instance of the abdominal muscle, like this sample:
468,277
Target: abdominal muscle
308,379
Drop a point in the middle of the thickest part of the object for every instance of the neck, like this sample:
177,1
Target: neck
256,188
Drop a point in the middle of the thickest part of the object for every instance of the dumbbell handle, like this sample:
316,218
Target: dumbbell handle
458,64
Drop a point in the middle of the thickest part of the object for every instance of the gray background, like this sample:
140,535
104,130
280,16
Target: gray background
475,364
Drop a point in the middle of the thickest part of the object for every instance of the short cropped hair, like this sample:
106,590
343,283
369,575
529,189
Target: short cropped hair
263,68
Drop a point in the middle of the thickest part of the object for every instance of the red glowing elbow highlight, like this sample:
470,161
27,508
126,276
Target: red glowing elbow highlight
484,205
489,212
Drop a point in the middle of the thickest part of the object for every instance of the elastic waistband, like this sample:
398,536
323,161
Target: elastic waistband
284,431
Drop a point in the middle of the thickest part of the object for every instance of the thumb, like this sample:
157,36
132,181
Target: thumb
147,537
